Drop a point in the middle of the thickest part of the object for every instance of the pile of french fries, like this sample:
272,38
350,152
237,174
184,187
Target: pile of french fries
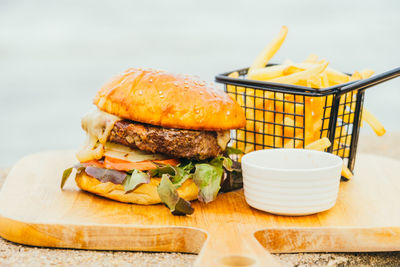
267,112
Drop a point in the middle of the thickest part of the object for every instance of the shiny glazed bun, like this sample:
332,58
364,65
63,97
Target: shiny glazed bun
144,194
168,100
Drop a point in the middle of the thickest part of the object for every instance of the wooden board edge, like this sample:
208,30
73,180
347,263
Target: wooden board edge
234,246
104,237
329,239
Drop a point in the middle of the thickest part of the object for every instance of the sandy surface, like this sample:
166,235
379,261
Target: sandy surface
17,255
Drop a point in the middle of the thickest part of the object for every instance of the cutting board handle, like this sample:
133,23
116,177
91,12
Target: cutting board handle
233,246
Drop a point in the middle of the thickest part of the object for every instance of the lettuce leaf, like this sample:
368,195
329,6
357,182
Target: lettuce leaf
170,197
135,179
106,175
172,177
221,161
182,173
208,177
67,173
233,180
178,174
232,151
101,174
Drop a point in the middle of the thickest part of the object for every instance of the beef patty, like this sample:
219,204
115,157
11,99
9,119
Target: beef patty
177,143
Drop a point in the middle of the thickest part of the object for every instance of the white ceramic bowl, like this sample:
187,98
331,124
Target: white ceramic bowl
291,181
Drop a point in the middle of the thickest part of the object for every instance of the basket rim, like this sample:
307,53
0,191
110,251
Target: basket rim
278,87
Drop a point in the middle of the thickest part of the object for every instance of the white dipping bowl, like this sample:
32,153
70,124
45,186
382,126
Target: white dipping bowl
291,181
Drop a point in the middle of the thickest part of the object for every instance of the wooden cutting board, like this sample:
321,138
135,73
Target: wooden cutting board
226,232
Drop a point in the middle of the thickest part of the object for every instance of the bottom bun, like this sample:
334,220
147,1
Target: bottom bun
144,194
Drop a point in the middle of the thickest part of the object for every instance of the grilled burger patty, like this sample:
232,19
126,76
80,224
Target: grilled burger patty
177,143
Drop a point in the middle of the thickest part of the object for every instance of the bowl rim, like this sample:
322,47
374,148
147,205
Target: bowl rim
245,160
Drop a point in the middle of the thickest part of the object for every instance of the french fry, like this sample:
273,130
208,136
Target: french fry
342,148
336,77
308,120
318,113
278,131
340,131
248,149
240,135
234,74
288,120
356,76
324,79
231,88
313,58
232,91
366,73
346,173
249,137
269,121
290,69
314,82
320,144
369,118
264,74
293,143
302,75
289,126
269,51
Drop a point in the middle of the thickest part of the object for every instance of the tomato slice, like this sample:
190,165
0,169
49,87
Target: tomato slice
172,162
123,165
95,163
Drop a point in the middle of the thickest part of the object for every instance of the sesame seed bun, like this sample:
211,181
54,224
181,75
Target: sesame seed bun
168,100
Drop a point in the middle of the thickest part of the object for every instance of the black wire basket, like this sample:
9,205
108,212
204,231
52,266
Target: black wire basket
290,116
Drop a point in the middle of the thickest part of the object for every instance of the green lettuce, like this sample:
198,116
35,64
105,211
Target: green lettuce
135,179
232,180
65,176
233,151
67,173
169,196
221,161
208,177
178,174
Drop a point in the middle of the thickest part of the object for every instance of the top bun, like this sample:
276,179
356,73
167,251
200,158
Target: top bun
168,100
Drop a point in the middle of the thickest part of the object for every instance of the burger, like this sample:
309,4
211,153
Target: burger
155,137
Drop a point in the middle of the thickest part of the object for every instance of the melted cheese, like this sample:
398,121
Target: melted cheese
98,125
223,138
125,153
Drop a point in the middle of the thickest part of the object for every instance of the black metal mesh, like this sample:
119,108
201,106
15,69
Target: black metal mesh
279,119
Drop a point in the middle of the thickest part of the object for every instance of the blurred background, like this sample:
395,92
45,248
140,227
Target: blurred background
55,55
